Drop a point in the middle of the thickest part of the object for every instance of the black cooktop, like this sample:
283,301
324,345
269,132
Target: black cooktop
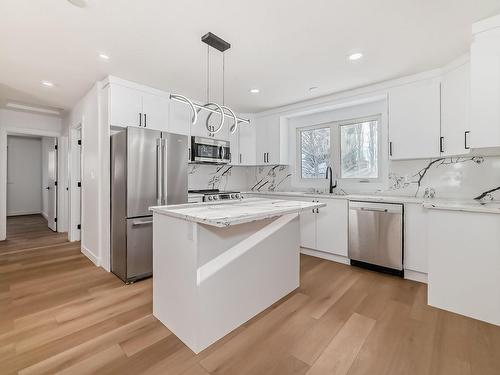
211,191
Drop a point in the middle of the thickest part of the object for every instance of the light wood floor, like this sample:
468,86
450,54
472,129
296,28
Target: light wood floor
61,314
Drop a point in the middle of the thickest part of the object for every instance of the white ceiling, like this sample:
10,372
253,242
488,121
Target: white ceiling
282,47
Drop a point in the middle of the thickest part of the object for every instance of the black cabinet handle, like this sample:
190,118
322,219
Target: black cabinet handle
145,120
466,139
140,119
441,144
390,148
240,158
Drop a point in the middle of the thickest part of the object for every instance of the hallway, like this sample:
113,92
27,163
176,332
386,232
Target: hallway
29,232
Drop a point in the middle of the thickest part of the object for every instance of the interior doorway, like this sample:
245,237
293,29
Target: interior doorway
32,171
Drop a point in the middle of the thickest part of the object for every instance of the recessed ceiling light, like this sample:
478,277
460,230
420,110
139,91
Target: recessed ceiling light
47,83
254,91
355,56
79,3
104,56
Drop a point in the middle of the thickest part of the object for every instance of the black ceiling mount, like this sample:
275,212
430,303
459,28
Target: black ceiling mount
214,41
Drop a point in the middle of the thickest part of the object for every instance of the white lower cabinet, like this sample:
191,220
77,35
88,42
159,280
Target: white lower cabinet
464,263
325,229
308,229
415,246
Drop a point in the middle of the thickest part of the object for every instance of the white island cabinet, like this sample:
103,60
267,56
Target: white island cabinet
464,261
215,266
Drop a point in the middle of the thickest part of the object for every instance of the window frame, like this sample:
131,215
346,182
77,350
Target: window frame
335,151
299,148
338,165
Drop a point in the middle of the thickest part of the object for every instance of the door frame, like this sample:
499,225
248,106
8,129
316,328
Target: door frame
75,192
4,132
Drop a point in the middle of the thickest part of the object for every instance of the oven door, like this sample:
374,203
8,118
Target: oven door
208,150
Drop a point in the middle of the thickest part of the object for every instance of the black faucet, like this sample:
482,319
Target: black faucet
329,176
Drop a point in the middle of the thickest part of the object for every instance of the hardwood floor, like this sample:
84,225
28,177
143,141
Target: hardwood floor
61,314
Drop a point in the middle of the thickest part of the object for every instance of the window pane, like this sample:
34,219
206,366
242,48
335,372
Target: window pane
359,150
315,152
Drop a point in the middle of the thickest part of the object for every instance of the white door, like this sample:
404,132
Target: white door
414,120
331,227
155,112
455,104
125,106
52,185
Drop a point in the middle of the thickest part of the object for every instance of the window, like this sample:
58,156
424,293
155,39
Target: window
350,147
314,152
359,149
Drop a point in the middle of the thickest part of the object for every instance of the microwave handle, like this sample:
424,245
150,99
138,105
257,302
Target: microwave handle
222,152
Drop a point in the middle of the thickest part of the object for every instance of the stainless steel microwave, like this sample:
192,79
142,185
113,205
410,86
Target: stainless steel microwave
209,150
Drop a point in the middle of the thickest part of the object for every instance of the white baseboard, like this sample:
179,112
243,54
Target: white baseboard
323,255
21,213
416,276
44,214
91,256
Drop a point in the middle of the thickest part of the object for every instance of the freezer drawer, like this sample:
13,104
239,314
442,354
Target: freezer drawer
376,234
139,248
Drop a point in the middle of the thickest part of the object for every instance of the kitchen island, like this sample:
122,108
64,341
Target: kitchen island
216,265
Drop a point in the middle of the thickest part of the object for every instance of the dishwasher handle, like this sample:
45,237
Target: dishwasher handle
374,209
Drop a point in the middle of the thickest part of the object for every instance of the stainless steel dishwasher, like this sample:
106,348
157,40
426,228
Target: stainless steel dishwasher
376,236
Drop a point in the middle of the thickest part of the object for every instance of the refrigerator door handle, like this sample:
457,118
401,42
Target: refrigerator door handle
164,171
159,169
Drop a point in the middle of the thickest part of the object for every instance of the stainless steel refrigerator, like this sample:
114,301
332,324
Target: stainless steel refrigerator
148,168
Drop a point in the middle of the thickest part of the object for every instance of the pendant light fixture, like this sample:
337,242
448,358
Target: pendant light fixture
213,41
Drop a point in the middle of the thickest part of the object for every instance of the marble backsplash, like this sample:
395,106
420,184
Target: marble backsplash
456,177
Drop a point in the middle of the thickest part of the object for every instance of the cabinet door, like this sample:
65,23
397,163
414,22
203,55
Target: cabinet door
414,120
455,96
331,227
247,133
262,149
415,248
125,106
273,140
179,118
155,112
234,142
308,229
485,90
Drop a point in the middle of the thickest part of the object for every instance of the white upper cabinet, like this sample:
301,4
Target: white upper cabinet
485,84
455,109
414,120
247,143
271,140
133,107
234,144
155,112
125,107
180,116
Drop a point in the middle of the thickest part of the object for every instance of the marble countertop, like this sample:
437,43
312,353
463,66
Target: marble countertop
224,214
464,205
468,205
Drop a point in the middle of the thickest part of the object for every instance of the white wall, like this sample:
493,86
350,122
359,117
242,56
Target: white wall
24,176
94,204
15,122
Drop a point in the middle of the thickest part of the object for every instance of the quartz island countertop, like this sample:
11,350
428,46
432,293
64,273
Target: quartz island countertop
227,213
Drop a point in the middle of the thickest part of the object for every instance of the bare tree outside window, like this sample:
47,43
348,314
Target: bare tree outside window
359,150
315,152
